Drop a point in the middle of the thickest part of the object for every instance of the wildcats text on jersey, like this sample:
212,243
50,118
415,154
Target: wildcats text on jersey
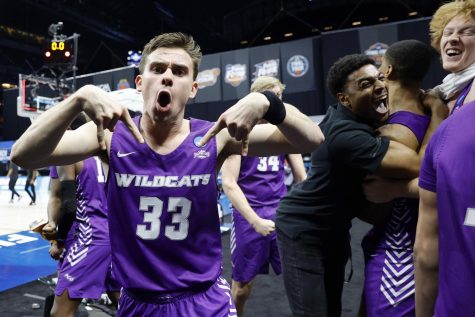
126,180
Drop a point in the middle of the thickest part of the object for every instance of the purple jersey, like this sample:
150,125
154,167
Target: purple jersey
415,122
87,260
164,223
389,286
262,180
448,169
53,173
91,212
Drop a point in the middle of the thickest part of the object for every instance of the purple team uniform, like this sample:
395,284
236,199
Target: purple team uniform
389,285
262,181
52,172
164,227
448,169
85,269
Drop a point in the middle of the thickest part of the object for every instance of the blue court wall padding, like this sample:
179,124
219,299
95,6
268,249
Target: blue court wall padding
5,149
209,79
235,74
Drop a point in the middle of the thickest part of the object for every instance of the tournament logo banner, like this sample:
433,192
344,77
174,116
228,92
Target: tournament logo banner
266,68
374,41
298,58
376,52
297,66
235,74
209,79
265,61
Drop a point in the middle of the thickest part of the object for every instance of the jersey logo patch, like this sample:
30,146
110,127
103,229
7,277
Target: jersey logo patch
124,154
197,140
201,154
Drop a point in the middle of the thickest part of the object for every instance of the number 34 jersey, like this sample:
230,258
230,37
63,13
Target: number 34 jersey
163,217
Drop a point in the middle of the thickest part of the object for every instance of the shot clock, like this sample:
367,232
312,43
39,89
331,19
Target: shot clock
58,52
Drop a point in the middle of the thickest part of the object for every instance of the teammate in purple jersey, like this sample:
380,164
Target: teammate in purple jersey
388,247
161,189
443,250
255,185
84,269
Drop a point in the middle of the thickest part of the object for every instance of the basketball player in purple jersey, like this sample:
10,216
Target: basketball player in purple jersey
388,247
85,266
255,185
444,253
164,226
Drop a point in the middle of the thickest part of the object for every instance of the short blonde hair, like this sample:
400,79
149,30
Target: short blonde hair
173,40
264,83
445,14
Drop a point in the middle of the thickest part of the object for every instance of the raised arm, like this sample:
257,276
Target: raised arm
296,165
46,141
426,254
230,174
296,133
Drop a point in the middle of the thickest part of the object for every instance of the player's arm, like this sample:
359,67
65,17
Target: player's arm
46,141
291,131
54,203
399,162
230,173
426,254
296,165
67,214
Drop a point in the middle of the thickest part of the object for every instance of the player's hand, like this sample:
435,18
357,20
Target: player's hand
264,227
433,104
56,251
377,189
240,119
105,112
49,231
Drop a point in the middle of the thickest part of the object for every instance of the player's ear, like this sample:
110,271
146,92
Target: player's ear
194,90
343,99
138,82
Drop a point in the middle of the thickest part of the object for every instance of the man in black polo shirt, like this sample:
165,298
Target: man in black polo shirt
314,219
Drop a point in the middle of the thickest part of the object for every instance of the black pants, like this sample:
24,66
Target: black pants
11,186
314,273
32,194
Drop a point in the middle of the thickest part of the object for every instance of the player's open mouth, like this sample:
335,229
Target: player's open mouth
381,105
164,98
451,52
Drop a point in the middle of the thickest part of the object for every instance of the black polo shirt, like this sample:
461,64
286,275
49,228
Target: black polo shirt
332,194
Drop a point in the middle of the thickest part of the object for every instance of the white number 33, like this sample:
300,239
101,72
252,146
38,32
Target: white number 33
180,206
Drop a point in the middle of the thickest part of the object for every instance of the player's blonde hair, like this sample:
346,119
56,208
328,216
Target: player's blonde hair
264,83
445,14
